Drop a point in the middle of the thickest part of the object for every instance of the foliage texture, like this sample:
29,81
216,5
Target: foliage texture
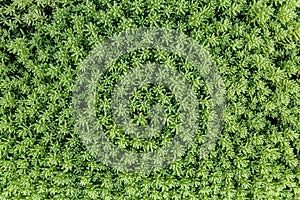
255,45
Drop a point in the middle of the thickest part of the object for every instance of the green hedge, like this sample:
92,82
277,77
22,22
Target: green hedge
255,45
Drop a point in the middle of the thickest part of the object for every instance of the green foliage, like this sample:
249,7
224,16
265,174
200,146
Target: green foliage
255,45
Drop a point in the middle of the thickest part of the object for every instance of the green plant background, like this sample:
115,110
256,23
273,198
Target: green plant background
255,45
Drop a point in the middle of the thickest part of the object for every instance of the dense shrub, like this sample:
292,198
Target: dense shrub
255,45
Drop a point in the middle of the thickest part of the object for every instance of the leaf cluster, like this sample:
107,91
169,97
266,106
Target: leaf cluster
255,45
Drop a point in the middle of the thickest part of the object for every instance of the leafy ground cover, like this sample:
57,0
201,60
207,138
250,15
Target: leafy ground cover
255,45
